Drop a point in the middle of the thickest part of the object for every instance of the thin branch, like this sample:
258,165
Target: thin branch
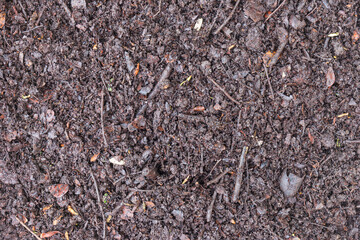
239,174
68,12
211,206
275,11
99,203
223,90
214,21
27,228
353,141
228,18
276,56
158,10
102,117
165,74
268,80
215,180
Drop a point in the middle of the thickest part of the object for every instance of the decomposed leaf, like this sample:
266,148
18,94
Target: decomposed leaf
117,160
48,234
330,77
198,24
2,19
290,184
199,109
59,190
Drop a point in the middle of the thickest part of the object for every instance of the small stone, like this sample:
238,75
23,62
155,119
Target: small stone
179,215
352,102
145,90
296,23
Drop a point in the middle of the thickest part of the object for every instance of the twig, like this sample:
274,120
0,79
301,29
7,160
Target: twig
239,174
215,180
211,206
40,14
22,9
268,80
165,74
228,18
275,11
214,21
68,12
353,141
99,203
276,56
27,228
33,29
158,10
102,117
140,190
223,90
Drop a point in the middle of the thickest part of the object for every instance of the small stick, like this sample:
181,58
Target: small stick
275,11
214,21
27,228
40,15
228,18
211,206
158,10
102,117
353,141
99,203
239,174
22,9
275,58
165,74
215,180
268,80
68,12
140,190
33,29
223,90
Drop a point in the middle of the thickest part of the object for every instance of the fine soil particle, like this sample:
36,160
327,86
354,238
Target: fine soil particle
85,83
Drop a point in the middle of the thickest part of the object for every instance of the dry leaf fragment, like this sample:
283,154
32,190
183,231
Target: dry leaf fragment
199,109
198,24
47,208
149,204
126,213
311,138
94,157
330,77
48,234
72,211
2,19
290,184
67,236
117,160
59,190
57,220
355,36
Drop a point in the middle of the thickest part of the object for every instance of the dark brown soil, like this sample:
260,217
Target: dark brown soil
102,90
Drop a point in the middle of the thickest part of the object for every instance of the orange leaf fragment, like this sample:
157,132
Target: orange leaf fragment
199,109
59,190
48,234
2,19
150,204
311,138
137,70
72,211
47,208
355,36
330,77
94,157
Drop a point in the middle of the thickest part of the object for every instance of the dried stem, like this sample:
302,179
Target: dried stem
268,80
27,228
102,117
239,174
223,90
99,203
275,10
216,179
228,18
211,206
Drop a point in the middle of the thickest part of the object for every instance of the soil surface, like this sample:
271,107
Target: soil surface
117,117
